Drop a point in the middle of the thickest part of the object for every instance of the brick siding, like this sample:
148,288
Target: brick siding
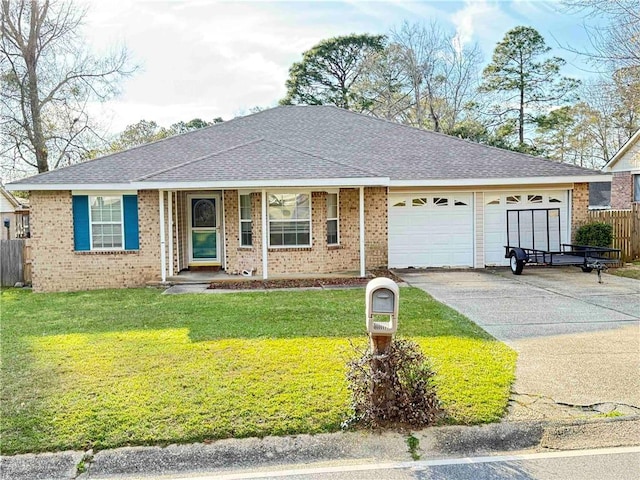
579,207
57,267
621,190
320,257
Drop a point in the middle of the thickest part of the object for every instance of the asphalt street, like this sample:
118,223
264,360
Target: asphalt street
605,464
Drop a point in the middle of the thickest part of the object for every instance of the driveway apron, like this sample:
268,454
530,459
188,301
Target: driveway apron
578,341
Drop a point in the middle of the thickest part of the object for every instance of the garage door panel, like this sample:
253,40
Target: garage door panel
431,230
495,222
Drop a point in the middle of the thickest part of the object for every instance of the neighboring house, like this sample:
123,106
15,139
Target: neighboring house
14,215
625,167
289,190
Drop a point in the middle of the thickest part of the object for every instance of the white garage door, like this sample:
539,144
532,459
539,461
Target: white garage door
496,205
430,230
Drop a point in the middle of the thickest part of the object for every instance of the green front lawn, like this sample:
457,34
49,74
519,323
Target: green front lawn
121,367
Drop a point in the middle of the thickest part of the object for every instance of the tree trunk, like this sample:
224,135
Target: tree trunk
521,113
38,139
434,118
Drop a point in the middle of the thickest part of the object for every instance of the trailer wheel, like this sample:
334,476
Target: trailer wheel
515,264
587,269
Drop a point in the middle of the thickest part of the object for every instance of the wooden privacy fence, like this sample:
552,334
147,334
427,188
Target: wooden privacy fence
626,229
15,262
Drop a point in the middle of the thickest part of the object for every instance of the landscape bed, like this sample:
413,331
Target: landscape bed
109,368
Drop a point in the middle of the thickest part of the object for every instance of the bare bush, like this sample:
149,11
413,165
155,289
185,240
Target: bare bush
393,389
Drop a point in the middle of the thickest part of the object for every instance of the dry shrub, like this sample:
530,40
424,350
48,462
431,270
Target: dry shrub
394,389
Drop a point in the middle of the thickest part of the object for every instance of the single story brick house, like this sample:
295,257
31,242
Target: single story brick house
625,168
290,190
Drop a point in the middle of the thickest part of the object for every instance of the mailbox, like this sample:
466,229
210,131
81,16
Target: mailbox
381,302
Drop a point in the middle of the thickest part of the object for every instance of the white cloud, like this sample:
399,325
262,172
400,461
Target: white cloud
481,21
210,59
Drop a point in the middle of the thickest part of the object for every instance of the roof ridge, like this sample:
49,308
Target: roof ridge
323,158
195,160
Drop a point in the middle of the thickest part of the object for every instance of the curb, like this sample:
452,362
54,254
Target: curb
225,455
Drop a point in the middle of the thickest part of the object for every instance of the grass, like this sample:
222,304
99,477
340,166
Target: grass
414,445
632,271
110,368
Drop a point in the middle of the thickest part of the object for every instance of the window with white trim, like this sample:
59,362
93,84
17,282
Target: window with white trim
332,219
246,223
636,188
289,220
105,214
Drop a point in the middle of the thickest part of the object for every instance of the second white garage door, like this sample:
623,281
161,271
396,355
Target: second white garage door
430,230
495,219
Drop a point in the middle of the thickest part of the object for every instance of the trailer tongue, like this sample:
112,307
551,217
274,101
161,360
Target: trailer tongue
533,236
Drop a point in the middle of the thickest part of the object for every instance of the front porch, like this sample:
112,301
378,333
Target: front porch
234,234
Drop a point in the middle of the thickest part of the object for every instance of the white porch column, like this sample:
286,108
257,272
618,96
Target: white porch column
265,247
170,201
163,248
177,231
569,216
362,252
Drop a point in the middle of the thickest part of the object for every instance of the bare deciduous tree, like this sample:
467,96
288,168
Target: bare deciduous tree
615,36
442,73
49,77
383,84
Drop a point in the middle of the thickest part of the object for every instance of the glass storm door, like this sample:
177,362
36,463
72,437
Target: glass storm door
204,235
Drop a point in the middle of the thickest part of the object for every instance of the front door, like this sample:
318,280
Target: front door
204,231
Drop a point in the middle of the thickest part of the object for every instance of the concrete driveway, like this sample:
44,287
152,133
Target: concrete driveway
578,341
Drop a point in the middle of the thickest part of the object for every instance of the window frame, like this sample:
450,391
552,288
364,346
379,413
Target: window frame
636,188
269,221
334,219
244,220
92,248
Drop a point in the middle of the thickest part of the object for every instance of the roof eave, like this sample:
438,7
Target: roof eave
623,150
478,182
212,185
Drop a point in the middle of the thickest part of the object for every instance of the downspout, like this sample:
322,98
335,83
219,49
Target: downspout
569,215
170,206
163,247
223,243
265,248
362,252
177,232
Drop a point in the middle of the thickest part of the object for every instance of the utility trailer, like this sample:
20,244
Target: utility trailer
534,236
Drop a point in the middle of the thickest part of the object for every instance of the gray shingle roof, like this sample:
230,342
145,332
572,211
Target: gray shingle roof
296,142
262,160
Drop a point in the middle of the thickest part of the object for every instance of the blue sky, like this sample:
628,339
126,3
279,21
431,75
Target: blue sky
208,59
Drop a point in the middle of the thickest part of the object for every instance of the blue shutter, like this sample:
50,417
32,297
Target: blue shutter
81,222
130,206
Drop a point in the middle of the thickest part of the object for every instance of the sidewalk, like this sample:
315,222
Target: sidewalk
226,455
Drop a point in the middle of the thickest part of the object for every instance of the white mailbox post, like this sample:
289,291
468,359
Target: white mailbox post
381,305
